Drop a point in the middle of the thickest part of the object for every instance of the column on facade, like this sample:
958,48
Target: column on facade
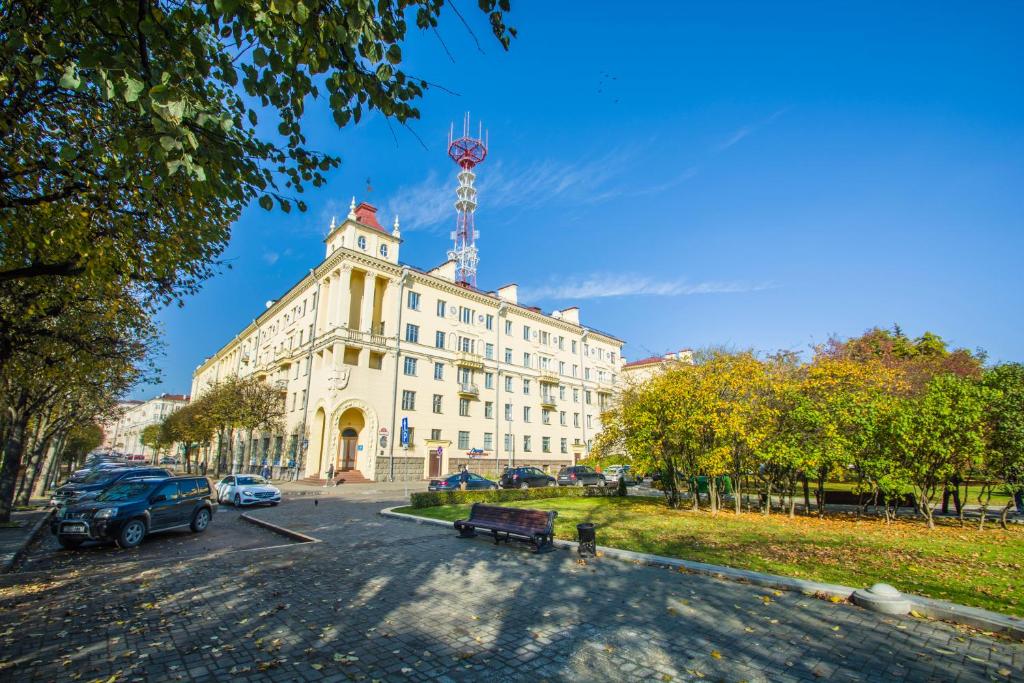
342,278
322,313
366,313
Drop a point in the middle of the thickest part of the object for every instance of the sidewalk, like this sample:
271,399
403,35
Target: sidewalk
14,540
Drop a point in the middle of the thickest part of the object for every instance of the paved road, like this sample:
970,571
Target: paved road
389,600
226,532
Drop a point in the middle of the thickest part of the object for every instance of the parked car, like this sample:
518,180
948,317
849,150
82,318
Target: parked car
247,489
168,460
132,509
580,475
613,472
452,482
100,479
80,475
524,478
137,459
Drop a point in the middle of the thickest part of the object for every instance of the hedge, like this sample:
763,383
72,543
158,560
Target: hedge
429,499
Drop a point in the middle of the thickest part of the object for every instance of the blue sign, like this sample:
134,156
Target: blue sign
405,431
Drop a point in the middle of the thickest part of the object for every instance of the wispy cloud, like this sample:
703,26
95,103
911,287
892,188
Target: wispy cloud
271,257
746,130
502,186
599,286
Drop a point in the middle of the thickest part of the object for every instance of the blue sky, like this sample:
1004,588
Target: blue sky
756,175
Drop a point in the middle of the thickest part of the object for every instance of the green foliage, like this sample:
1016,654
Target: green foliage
428,499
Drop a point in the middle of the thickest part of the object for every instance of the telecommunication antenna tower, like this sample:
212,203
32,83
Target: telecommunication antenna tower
467,152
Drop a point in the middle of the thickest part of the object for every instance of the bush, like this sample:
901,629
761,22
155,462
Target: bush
431,499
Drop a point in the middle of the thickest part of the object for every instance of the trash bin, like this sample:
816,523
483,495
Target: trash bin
587,540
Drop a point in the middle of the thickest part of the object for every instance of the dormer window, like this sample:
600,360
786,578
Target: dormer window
384,251
361,242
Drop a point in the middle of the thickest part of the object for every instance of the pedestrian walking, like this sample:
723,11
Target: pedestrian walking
330,473
464,478
266,472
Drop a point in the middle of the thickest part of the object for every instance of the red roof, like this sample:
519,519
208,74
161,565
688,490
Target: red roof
644,361
366,214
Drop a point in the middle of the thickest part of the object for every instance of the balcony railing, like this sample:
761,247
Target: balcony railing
548,377
468,389
548,401
468,359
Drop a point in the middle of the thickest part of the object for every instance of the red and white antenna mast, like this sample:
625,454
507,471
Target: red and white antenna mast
467,152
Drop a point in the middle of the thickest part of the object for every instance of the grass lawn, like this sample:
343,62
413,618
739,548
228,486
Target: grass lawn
983,569
1000,496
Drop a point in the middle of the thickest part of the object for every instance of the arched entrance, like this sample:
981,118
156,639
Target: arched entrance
351,424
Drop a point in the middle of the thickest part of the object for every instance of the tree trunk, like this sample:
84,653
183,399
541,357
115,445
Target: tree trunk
1005,513
821,492
713,495
807,494
35,466
736,493
13,449
767,510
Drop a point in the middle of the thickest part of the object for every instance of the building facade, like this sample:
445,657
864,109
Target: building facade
639,371
363,344
125,433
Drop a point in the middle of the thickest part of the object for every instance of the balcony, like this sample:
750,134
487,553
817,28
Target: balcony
280,384
469,390
548,377
467,359
548,401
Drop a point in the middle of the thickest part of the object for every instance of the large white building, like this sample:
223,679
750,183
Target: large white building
364,342
124,434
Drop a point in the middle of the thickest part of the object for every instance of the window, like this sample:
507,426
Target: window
302,404
575,395
508,443
575,419
412,333
545,338
587,396
466,344
489,351
575,370
488,410
464,440
526,413
376,360
488,441
439,339
361,243
410,367
408,400
561,417
508,384
561,367
412,435
413,301
586,373
438,370
488,380
489,322
526,444
508,327
306,371
526,386
545,444
563,445
435,435
589,423
465,314
526,360
295,398
508,356
463,407
465,376
384,250
508,412
436,403
526,332
574,346
561,392
561,343
545,417
169,491
441,308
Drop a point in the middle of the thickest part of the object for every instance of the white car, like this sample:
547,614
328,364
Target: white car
247,489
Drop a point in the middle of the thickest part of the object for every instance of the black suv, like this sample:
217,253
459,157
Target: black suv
129,510
524,478
580,475
94,483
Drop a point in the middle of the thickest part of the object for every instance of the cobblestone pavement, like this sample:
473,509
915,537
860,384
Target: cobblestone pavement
384,599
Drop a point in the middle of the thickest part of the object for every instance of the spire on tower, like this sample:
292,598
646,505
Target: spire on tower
467,152
352,209
395,231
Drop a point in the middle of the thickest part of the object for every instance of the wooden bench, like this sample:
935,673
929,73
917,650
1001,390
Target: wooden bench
536,527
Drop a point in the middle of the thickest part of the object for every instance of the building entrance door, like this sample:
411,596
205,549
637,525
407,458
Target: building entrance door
349,440
435,463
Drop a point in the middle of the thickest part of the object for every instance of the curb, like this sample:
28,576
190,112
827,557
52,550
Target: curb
927,607
8,561
288,533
